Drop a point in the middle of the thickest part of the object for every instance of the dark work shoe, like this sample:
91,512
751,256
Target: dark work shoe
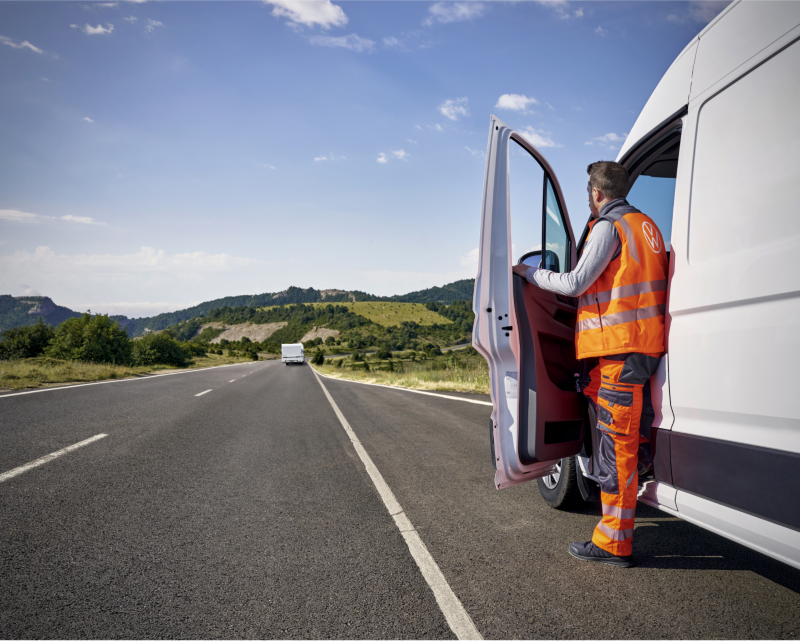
590,552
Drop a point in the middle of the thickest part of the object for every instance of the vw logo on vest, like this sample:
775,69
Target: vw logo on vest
652,237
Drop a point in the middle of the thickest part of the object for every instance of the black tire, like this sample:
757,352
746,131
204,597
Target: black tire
563,492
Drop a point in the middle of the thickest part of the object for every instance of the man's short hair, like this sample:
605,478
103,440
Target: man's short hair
609,177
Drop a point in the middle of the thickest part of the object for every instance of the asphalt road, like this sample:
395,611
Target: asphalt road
247,512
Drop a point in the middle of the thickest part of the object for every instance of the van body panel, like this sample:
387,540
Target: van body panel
769,538
731,46
659,495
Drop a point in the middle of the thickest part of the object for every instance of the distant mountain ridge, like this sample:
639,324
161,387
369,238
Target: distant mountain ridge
25,310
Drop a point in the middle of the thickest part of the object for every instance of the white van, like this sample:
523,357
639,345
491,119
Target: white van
292,353
714,158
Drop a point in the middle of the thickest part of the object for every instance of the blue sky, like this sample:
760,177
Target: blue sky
157,154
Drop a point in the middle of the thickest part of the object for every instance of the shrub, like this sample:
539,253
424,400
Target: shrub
330,340
383,353
26,342
318,359
159,349
90,338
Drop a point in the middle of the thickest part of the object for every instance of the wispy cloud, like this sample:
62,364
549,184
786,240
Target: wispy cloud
445,12
601,32
87,119
82,220
328,157
608,141
20,45
452,109
515,102
93,31
17,216
561,8
322,13
151,25
131,19
700,11
28,291
399,154
470,259
106,5
382,159
392,43
352,42
474,152
539,138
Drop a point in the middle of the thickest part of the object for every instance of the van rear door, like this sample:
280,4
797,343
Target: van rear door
526,334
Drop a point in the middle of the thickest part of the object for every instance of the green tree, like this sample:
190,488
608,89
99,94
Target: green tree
383,353
90,338
159,349
26,341
319,358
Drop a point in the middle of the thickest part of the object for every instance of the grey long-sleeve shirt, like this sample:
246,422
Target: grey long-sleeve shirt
600,249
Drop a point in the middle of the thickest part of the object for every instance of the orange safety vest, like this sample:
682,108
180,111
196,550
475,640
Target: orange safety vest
623,310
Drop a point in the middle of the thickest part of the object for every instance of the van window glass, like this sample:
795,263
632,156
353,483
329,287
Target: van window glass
655,197
744,182
555,234
525,184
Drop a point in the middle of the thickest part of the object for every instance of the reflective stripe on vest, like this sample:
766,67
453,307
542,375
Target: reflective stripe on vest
623,310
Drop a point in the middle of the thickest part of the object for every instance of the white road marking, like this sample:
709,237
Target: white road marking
122,380
233,381
201,393
405,389
457,617
47,458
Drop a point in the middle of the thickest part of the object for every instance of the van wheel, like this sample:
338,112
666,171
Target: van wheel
560,489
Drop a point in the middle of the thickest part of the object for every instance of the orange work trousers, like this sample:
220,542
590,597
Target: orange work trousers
615,389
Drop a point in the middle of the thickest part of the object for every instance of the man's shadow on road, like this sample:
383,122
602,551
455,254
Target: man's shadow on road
664,542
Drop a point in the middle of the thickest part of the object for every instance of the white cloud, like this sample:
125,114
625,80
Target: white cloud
83,220
330,157
470,259
353,42
474,152
578,13
46,80
16,216
454,108
601,32
87,119
437,127
391,42
321,13
28,291
413,142
561,8
515,102
270,167
400,154
445,12
106,5
418,127
93,31
608,141
382,158
131,19
319,158
20,45
539,138
151,25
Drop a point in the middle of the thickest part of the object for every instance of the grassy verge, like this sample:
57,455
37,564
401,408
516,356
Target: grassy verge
392,314
448,373
41,372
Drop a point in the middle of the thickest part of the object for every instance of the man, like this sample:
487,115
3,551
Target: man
621,282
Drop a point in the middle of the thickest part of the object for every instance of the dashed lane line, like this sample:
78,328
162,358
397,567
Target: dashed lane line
122,380
405,389
457,617
47,458
206,392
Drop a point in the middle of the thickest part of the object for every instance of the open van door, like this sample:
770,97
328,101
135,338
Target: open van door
526,334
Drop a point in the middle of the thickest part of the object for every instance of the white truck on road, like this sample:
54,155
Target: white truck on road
292,353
